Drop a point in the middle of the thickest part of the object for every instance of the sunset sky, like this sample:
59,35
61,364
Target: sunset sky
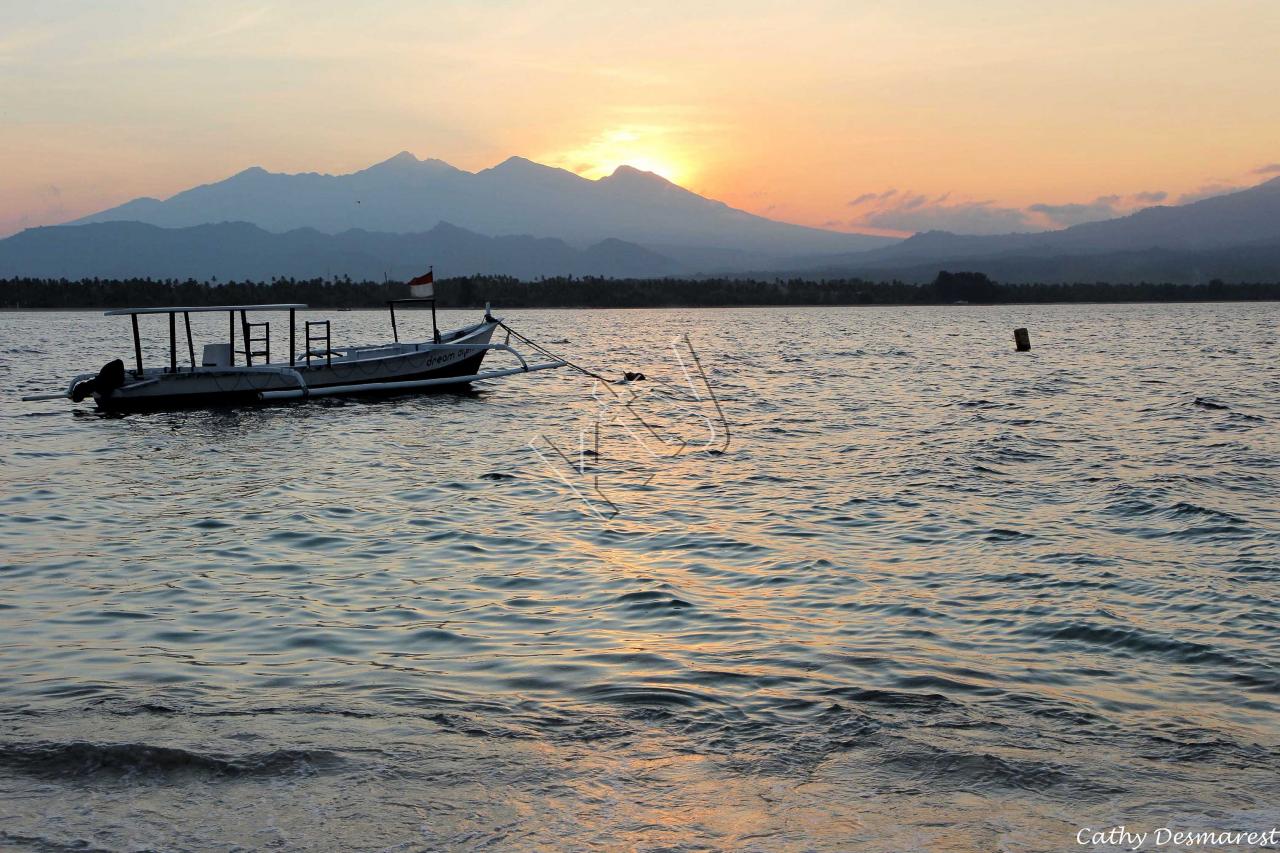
972,115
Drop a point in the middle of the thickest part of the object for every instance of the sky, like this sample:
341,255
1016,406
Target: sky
884,116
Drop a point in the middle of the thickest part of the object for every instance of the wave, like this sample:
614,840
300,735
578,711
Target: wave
79,759
46,845
1136,640
893,698
1206,403
984,771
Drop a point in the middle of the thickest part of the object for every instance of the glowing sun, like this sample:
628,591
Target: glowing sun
640,149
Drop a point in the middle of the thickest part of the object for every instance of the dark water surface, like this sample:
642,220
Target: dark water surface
935,596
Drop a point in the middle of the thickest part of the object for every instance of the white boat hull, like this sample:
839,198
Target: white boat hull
458,355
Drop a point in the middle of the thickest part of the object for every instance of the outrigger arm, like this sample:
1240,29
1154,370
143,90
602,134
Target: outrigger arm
328,390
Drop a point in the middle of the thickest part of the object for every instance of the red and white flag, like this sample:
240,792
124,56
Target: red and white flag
424,285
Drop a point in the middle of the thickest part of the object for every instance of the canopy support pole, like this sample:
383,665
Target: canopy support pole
244,332
191,346
435,327
137,345
173,342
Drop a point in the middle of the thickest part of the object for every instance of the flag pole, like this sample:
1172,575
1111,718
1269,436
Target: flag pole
435,330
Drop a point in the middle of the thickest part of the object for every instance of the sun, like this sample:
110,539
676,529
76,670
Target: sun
646,149
650,163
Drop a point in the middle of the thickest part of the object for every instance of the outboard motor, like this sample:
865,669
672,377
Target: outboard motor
109,378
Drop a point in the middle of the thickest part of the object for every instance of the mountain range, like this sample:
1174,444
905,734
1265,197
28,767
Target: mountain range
241,251
516,197
527,220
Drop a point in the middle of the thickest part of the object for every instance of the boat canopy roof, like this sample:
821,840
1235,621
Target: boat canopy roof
196,309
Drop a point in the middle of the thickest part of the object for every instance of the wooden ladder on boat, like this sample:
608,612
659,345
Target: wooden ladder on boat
317,338
250,341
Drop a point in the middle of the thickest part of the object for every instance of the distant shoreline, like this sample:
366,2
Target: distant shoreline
497,307
948,289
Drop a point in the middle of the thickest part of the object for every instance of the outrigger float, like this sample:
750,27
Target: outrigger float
450,360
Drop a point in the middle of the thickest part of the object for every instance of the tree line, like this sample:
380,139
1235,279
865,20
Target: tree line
595,292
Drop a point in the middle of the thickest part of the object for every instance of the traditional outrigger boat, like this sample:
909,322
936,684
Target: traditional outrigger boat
451,359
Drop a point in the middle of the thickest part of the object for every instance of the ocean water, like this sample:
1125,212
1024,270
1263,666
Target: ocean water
926,594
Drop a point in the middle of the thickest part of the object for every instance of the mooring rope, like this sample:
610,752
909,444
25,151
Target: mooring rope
666,390
549,354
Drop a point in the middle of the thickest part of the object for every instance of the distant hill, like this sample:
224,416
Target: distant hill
1258,262
408,195
239,250
1228,236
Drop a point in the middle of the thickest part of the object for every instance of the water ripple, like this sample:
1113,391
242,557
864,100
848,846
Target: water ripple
929,580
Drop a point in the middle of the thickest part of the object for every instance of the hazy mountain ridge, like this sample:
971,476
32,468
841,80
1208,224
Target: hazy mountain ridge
1255,262
1234,219
407,195
1231,236
240,250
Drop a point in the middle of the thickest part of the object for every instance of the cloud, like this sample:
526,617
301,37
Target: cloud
10,225
199,30
1066,215
17,45
917,212
910,211
868,197
239,23
47,209
1223,186
1207,191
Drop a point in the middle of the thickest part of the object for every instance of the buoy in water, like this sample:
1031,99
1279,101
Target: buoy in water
1022,339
